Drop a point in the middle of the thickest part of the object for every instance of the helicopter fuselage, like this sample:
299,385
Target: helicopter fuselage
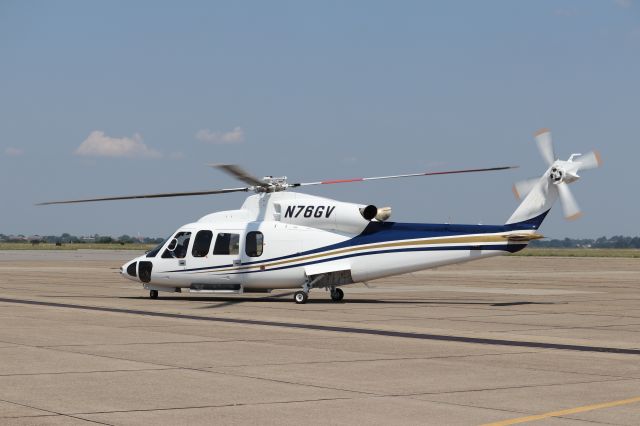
292,240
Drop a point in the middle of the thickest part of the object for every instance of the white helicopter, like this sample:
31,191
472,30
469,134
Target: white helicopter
281,239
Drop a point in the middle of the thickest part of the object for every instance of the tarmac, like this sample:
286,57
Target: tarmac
553,341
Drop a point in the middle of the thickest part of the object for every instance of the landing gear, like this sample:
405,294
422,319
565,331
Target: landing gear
153,294
337,294
300,297
315,281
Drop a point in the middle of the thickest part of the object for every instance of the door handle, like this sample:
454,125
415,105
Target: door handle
182,262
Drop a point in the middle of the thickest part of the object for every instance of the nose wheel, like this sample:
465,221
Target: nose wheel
300,297
337,294
153,294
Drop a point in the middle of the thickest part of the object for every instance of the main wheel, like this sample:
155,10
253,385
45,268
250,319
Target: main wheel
300,297
337,294
153,294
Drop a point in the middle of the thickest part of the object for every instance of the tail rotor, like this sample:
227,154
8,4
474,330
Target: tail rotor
540,193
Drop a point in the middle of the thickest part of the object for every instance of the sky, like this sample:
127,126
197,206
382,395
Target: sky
122,98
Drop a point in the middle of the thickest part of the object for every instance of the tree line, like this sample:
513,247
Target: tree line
67,238
617,241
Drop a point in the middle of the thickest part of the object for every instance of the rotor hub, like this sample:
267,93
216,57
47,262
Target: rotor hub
272,184
556,175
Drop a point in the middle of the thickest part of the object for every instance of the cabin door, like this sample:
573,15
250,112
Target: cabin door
214,257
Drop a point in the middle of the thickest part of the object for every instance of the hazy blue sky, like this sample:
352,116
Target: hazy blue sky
116,98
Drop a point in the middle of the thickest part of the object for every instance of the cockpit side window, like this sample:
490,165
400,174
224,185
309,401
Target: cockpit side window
202,243
227,243
178,246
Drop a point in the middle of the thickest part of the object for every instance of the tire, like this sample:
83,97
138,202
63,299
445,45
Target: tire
300,297
337,295
153,294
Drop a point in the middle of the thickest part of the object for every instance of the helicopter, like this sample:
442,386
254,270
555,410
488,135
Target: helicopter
282,239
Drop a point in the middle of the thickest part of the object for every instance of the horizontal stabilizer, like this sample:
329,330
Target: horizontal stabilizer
523,237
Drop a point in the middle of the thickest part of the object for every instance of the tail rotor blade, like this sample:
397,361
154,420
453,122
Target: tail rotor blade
521,189
590,160
545,145
569,203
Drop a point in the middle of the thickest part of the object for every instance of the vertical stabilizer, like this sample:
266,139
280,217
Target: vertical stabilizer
539,200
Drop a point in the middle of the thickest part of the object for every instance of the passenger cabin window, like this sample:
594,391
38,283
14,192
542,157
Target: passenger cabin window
227,243
178,246
202,243
253,244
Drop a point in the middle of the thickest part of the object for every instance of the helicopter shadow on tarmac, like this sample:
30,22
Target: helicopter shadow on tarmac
225,301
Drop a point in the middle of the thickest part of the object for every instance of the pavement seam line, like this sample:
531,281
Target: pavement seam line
196,407
347,361
53,413
542,385
45,373
269,379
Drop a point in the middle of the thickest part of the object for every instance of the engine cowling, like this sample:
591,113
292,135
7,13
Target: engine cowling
383,214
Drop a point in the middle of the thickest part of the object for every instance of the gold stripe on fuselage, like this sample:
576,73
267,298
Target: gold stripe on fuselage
485,238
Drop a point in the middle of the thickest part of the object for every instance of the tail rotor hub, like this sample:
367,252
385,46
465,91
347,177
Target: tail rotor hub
556,175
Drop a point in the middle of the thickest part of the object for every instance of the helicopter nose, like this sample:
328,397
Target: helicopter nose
130,270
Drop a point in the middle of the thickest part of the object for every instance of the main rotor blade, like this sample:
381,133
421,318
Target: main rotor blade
450,172
161,195
545,145
239,173
569,203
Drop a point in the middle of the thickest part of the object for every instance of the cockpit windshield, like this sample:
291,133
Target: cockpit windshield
154,251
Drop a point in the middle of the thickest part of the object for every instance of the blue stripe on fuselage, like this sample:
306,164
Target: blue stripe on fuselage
377,232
